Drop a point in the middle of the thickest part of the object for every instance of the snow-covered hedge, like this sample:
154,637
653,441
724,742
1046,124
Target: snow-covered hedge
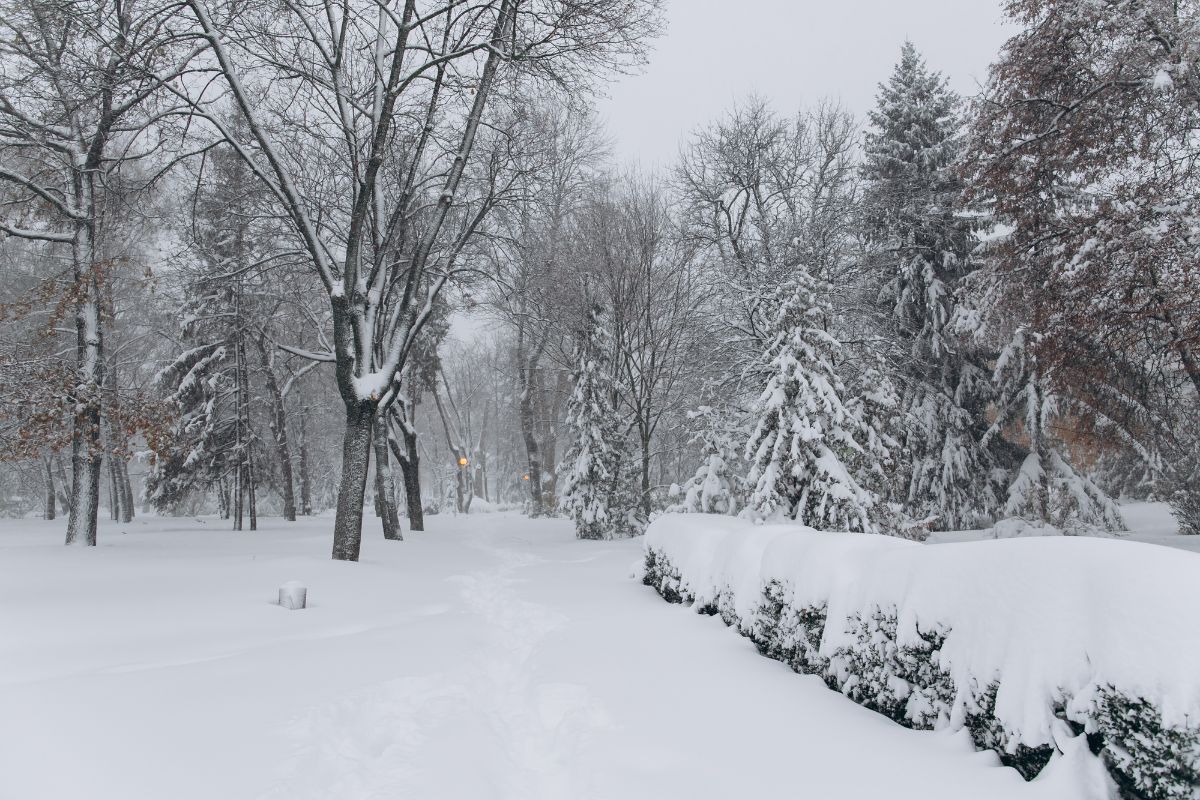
1026,643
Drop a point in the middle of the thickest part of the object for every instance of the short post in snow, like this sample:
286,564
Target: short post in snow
293,595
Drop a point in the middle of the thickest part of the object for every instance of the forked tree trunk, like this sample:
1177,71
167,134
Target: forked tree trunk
409,459
352,490
118,446
385,484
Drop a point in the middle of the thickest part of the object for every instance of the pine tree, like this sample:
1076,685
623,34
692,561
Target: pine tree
208,385
1082,150
598,490
1045,488
807,440
718,486
920,251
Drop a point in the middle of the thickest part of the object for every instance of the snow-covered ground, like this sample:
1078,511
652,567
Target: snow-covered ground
491,657
1152,523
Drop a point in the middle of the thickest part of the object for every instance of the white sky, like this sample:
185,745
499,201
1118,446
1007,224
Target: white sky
792,52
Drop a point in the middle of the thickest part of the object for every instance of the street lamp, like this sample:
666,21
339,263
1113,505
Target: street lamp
462,461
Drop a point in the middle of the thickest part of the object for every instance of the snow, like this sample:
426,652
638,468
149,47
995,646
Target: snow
489,657
1147,522
1051,618
293,595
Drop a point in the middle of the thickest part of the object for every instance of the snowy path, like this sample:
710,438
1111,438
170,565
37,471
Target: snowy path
492,657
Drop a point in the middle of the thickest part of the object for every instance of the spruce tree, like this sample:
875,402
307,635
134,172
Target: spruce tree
807,445
718,486
1046,487
597,483
919,252
214,442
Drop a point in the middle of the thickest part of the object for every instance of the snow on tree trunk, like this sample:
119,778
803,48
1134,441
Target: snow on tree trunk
352,490
86,449
409,459
306,508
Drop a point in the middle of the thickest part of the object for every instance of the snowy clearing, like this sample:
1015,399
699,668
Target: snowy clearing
492,656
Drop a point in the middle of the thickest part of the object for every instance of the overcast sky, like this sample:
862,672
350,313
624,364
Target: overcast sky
792,52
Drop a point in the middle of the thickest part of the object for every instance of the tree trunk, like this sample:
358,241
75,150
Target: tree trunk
127,511
118,447
114,492
49,475
645,443
222,500
356,459
238,493
533,452
279,431
409,460
305,478
86,450
562,389
385,483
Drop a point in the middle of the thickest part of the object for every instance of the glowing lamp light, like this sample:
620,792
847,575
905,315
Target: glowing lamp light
462,461
524,477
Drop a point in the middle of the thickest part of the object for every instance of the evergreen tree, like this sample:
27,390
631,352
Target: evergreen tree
598,490
1083,151
919,252
805,447
717,487
214,441
1046,488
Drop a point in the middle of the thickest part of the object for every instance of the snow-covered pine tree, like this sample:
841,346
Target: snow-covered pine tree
718,486
596,481
1045,488
214,440
807,439
919,250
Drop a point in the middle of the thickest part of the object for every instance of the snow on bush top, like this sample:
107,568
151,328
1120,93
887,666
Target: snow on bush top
1052,619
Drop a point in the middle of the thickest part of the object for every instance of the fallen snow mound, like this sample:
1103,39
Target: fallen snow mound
1024,639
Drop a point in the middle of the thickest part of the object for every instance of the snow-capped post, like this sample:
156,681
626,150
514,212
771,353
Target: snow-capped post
293,595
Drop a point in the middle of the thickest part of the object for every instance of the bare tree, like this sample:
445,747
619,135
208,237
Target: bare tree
535,292
765,196
77,78
364,117
629,245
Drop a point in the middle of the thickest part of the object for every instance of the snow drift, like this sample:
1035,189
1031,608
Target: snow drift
1027,643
